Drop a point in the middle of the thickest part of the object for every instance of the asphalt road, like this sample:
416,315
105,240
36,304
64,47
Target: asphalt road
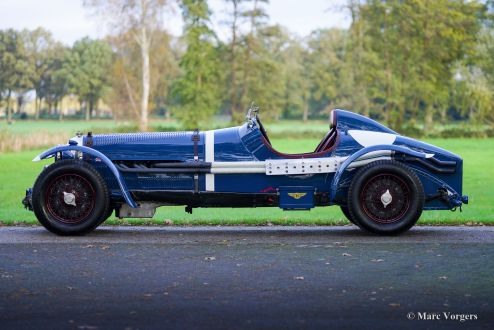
247,277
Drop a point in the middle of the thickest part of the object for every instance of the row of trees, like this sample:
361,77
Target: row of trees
399,60
34,61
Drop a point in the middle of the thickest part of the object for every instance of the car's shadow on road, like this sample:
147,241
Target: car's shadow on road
250,234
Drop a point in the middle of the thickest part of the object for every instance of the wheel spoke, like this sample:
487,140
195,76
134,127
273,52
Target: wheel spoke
83,192
379,206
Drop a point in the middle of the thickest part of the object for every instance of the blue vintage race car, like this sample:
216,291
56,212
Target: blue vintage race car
381,180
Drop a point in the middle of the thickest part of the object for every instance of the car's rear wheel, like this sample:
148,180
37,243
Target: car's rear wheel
385,197
347,214
70,198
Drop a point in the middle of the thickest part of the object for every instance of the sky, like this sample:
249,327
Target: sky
69,21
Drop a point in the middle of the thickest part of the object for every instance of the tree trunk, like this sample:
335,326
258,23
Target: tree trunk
86,110
20,101
237,118
37,105
245,88
9,112
60,111
89,110
306,111
444,115
145,79
429,117
233,58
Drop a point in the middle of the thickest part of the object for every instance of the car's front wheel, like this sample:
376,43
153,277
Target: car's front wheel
385,197
70,198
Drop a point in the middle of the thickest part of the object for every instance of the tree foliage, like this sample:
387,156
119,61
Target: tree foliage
86,69
15,71
197,90
402,62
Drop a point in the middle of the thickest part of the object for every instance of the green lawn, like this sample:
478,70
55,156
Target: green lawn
17,172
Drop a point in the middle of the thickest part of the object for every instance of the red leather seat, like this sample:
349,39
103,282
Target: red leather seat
330,137
327,141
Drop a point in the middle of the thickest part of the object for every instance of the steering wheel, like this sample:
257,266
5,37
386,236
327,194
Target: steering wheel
262,129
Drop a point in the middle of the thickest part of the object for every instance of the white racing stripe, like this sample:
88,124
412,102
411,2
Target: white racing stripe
370,138
209,158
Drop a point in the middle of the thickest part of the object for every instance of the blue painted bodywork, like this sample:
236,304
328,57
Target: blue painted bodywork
247,143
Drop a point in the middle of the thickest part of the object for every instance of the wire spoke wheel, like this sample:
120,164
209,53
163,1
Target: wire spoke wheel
385,198
70,198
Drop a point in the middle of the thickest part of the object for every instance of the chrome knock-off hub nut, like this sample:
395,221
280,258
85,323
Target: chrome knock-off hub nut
386,198
69,198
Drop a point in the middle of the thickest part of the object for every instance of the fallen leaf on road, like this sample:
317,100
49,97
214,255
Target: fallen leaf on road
394,305
87,327
210,258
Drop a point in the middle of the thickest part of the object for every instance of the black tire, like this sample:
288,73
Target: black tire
107,215
79,180
347,214
385,197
